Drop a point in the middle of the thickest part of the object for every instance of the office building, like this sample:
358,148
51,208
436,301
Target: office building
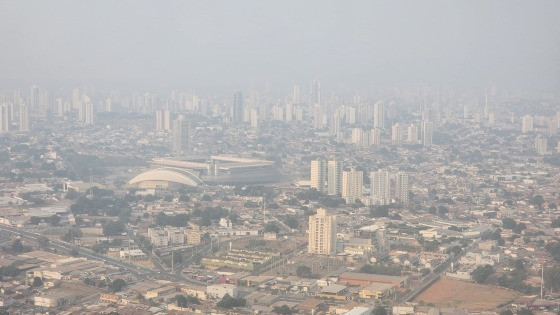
541,144
352,183
180,135
527,124
334,177
318,170
322,233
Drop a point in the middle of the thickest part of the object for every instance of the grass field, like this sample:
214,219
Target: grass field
448,292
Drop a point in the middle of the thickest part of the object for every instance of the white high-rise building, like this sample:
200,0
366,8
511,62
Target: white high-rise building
180,135
334,177
541,144
322,233
296,94
335,124
34,97
558,119
357,136
527,124
289,112
375,136
315,93
88,113
352,183
401,189
23,118
163,120
396,134
427,133
254,118
5,120
412,134
318,171
380,187
379,115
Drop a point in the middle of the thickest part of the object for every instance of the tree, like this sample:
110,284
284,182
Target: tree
74,252
284,310
111,228
537,200
34,220
379,310
519,228
54,220
181,301
43,242
228,302
555,223
506,312
481,273
206,198
293,223
524,311
117,285
17,246
271,227
37,282
304,272
509,223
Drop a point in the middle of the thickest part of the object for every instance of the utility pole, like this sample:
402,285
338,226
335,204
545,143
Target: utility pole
172,264
542,279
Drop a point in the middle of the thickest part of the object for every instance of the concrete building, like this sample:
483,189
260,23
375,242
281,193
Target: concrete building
541,144
318,175
527,124
396,134
180,135
218,291
427,133
334,177
352,183
322,233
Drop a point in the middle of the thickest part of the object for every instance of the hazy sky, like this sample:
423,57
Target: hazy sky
226,44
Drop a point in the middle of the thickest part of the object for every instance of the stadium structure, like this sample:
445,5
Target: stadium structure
168,173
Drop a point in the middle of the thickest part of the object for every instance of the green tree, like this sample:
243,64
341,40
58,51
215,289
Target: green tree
34,220
271,227
506,312
537,200
117,285
481,273
379,310
43,242
509,223
37,282
54,220
284,310
181,301
74,252
304,272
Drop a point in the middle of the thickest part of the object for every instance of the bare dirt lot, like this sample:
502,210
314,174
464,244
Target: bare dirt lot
449,292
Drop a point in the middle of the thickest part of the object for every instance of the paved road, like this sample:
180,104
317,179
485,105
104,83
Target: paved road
141,273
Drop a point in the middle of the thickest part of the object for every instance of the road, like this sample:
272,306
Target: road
141,273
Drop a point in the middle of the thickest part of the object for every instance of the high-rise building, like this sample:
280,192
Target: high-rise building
396,134
35,97
334,177
180,135
427,133
380,187
375,136
254,118
335,124
322,233
163,120
88,113
412,134
23,118
527,124
315,93
558,119
352,183
237,108
296,95
108,105
289,112
401,189
541,144
552,127
5,120
379,115
318,171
